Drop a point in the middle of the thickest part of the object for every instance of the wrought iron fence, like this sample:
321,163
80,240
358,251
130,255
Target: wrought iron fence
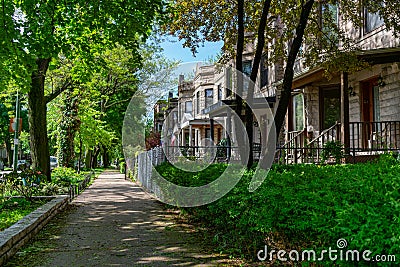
375,136
366,138
75,190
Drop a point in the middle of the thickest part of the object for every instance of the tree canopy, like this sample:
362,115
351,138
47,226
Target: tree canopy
34,32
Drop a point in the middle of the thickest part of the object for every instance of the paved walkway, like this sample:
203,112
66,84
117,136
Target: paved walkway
115,223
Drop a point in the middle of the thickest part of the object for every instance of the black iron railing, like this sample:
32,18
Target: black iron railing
366,138
75,190
374,136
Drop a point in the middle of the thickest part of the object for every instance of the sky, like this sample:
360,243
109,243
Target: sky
173,50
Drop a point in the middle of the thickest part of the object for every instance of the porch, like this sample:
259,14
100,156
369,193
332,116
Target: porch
366,141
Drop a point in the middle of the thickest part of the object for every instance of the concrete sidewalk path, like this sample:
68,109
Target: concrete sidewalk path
115,223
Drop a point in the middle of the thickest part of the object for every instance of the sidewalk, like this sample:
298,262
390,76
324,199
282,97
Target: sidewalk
115,223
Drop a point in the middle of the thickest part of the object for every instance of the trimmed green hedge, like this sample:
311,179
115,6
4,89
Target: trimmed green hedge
303,207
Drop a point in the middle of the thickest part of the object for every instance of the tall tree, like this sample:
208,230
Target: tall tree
88,116
35,32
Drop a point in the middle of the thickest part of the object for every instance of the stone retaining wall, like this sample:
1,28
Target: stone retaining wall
14,237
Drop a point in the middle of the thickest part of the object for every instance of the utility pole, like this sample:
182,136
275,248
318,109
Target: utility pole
16,134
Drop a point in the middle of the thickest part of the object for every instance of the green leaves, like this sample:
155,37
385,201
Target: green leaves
305,206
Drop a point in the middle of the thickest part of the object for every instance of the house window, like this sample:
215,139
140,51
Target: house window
209,97
330,106
198,102
298,112
372,21
228,92
329,19
264,71
228,82
188,107
247,67
174,117
219,92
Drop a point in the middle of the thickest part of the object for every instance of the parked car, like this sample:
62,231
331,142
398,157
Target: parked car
22,164
53,162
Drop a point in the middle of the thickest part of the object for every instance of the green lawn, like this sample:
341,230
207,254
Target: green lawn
14,209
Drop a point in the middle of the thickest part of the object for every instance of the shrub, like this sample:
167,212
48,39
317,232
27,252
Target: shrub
65,176
25,183
332,149
303,207
122,166
51,189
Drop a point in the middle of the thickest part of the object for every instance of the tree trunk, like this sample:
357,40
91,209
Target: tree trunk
37,119
88,159
93,159
68,127
289,73
253,78
239,77
106,160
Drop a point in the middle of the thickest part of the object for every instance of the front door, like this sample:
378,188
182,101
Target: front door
370,110
329,106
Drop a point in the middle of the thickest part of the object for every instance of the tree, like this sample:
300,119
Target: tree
288,25
88,117
35,32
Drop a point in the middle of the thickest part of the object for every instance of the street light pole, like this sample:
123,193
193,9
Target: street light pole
16,134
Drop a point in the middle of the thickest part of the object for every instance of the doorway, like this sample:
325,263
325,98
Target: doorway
370,110
329,106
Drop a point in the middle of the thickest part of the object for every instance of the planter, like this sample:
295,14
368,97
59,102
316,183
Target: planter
14,237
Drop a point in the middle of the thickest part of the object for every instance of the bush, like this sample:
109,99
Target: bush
52,189
122,166
25,183
66,176
332,149
303,207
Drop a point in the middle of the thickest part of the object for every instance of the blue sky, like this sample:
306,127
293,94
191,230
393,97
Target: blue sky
174,50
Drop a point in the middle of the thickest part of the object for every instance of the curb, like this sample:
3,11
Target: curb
17,235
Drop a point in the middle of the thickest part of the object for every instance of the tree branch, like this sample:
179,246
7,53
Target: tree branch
116,103
57,92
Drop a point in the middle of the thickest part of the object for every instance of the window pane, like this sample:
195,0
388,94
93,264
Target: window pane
264,71
209,97
331,107
188,107
298,110
198,102
377,108
247,67
330,20
372,21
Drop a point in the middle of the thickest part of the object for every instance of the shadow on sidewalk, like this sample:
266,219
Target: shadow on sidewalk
115,223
